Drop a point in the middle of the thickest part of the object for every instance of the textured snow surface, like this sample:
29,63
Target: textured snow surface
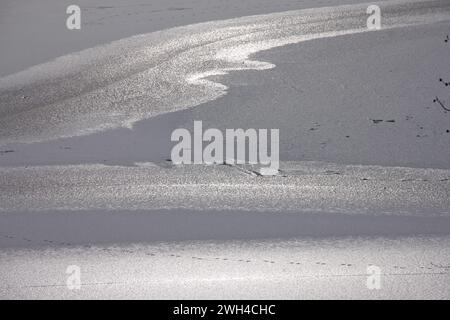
143,76
139,227
298,187
411,268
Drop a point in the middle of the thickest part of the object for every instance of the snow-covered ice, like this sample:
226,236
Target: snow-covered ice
364,177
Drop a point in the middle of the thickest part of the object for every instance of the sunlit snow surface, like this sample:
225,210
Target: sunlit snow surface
145,231
330,259
333,268
299,187
139,77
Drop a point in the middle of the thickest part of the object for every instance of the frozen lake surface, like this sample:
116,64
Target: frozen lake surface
364,178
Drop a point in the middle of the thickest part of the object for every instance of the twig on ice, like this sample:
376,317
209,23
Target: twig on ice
441,104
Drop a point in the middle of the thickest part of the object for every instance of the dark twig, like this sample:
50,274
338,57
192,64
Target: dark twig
441,104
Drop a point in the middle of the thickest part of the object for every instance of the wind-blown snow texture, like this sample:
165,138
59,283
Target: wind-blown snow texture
147,75
142,229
